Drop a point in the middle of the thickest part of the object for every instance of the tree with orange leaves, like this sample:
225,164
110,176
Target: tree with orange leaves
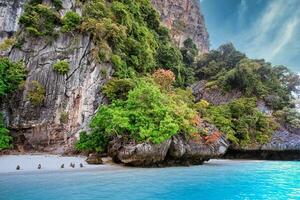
165,78
210,139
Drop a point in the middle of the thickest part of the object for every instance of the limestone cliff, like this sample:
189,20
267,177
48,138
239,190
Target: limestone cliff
76,95
10,11
184,19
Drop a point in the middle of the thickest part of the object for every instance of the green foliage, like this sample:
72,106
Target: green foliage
37,94
226,58
229,69
147,113
64,117
169,56
70,21
5,138
91,142
57,4
242,122
12,74
7,43
40,19
118,88
189,53
137,42
61,67
289,117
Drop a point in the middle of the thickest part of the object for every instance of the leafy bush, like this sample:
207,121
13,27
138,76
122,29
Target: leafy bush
70,21
189,52
7,43
229,69
148,113
57,4
93,142
11,75
37,94
64,117
242,122
61,67
289,117
40,20
165,78
5,138
118,88
137,42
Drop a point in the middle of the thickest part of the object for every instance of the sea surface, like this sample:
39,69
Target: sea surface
218,179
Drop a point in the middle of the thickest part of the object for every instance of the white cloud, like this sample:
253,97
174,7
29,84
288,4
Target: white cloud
285,38
241,11
270,35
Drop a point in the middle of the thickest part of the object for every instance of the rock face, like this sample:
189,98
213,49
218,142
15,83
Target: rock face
144,154
179,150
94,159
70,100
184,19
10,11
214,96
283,145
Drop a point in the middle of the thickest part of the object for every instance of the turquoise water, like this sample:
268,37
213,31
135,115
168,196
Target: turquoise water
216,180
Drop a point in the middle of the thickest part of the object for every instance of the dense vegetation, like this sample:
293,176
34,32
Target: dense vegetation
36,94
12,74
61,67
142,107
5,138
40,20
242,122
128,34
229,69
151,111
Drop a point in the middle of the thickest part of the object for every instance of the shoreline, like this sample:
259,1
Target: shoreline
52,163
49,163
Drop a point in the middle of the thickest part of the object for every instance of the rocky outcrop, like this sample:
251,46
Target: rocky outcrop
10,11
213,95
179,150
94,159
184,19
70,100
283,145
135,154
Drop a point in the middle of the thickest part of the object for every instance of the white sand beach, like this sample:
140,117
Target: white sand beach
29,163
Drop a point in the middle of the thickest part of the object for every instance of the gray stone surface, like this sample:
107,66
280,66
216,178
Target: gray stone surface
179,150
185,20
10,11
76,94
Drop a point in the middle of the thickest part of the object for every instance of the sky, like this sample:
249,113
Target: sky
268,29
